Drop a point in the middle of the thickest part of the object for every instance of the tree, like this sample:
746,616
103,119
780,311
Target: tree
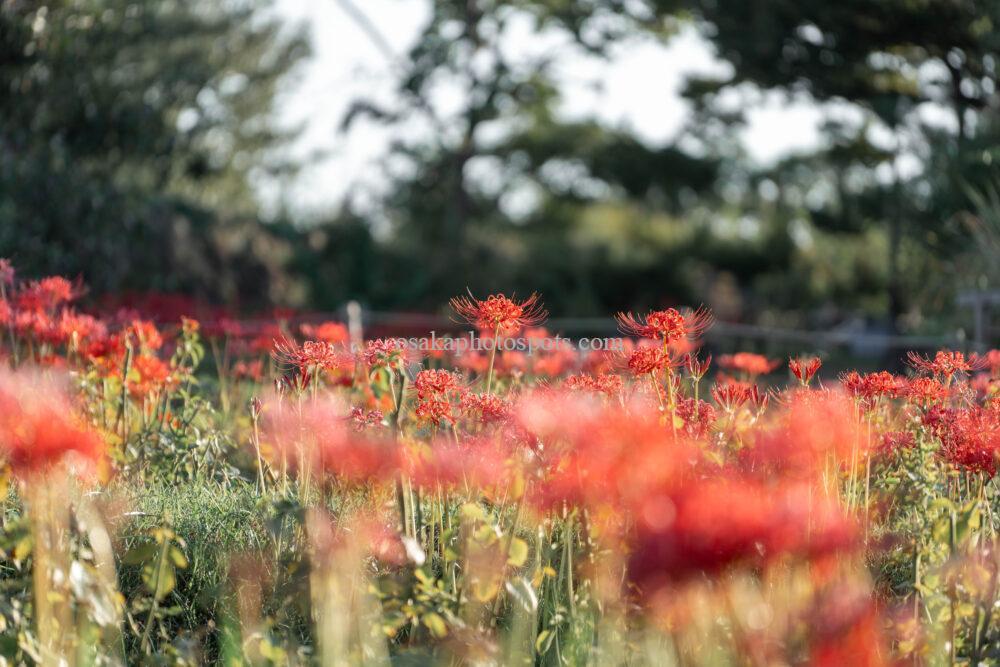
128,131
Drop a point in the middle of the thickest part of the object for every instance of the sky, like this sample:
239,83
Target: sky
346,64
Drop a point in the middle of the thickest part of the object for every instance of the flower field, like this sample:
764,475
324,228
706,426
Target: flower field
227,492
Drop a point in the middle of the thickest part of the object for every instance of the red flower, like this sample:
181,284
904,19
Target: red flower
39,427
491,408
606,383
669,324
749,363
328,332
149,375
804,369
46,294
435,391
323,436
647,359
499,312
945,363
384,353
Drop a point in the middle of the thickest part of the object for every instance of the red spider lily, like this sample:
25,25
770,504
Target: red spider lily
149,375
697,369
365,420
804,369
500,313
990,360
79,329
322,436
945,363
598,453
697,415
925,391
328,332
970,439
608,384
872,386
709,526
896,441
667,325
810,428
749,363
385,353
145,334
46,294
731,396
39,427
645,360
311,358
436,390
490,408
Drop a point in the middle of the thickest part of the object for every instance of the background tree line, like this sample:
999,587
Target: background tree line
130,134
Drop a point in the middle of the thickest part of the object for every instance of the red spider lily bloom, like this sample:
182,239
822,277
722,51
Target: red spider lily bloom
749,363
490,408
970,439
385,353
606,383
810,428
46,294
945,363
145,333
667,325
149,375
365,420
598,453
872,386
697,415
925,391
990,360
311,357
79,329
500,313
697,369
804,369
709,526
328,332
39,427
731,396
896,441
323,437
647,359
436,390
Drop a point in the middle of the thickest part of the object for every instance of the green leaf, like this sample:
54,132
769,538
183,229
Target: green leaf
436,625
159,581
518,553
178,558
140,554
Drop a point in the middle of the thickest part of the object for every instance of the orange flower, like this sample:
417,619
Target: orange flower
749,363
